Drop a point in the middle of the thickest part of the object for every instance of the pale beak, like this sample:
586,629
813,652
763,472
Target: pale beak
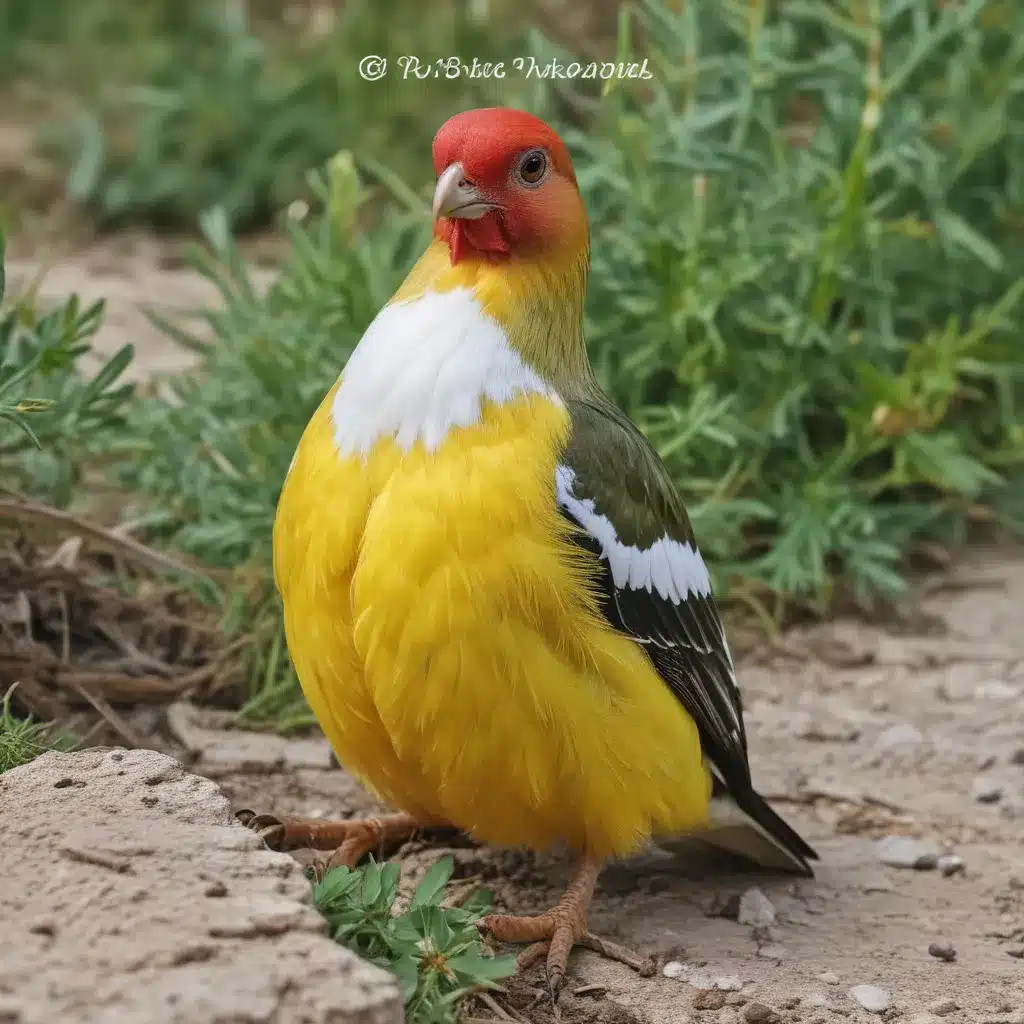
456,197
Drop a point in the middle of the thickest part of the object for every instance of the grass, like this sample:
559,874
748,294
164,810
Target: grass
435,951
22,739
162,109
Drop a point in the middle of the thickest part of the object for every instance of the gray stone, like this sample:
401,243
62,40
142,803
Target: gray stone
147,943
897,736
907,852
756,909
942,951
986,790
952,864
871,997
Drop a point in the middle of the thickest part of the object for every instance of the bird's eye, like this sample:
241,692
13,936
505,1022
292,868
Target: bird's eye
532,167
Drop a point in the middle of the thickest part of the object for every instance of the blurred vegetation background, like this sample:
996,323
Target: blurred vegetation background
808,259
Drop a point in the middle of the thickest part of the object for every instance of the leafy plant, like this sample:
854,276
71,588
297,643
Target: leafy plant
435,951
239,101
51,416
808,277
22,739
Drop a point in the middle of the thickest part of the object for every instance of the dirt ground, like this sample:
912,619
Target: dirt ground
858,732
913,728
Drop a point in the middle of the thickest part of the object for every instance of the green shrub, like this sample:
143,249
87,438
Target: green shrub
807,289
808,276
22,739
53,420
233,110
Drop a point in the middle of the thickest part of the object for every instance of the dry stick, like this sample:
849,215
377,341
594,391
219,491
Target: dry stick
112,718
23,510
130,651
491,1003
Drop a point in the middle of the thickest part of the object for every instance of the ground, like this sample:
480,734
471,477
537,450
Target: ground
858,732
913,726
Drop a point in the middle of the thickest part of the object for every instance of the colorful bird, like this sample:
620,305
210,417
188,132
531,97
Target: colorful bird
492,593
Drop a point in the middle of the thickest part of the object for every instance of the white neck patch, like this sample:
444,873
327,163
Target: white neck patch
424,367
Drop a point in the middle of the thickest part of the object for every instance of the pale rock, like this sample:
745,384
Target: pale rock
952,864
907,852
756,909
986,790
871,997
897,736
995,689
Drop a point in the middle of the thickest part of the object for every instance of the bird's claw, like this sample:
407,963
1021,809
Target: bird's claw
269,828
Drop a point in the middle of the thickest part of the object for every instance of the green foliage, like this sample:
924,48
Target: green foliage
52,418
808,276
231,104
22,739
435,951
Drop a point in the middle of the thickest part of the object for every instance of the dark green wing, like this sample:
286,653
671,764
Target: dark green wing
654,583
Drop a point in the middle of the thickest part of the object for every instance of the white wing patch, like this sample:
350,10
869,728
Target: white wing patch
675,570
423,368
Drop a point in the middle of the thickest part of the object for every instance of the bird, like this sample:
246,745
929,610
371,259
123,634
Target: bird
492,593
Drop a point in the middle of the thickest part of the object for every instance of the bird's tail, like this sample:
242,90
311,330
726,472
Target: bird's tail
742,823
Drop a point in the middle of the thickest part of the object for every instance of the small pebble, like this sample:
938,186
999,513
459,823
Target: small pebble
758,1013
721,905
871,997
986,790
994,689
899,736
790,1002
829,977
756,909
1017,757
728,983
674,969
942,951
709,999
943,1007
216,889
952,864
1017,952
907,852
735,999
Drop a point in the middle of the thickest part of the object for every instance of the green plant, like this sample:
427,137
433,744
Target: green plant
435,951
235,104
808,277
22,739
52,418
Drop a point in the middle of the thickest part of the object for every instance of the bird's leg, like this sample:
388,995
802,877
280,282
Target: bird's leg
555,932
348,840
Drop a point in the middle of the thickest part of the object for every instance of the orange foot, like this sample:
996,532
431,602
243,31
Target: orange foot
349,841
555,932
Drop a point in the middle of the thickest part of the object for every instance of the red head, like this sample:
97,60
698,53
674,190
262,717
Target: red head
505,186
